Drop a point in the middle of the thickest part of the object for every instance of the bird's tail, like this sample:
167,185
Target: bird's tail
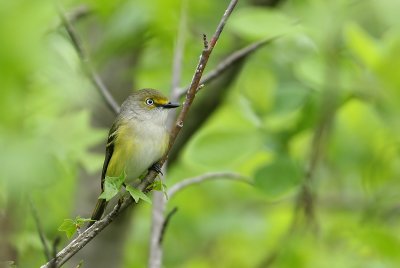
98,211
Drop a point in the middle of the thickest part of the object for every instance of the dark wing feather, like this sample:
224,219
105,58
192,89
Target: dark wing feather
102,203
109,152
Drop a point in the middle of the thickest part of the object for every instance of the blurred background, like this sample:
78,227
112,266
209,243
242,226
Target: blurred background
312,119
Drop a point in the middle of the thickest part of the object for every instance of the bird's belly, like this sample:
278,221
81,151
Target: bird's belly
149,150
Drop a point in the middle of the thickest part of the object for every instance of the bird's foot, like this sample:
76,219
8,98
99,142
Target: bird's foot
157,168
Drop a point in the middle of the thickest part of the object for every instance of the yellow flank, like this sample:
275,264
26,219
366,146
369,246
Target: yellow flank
123,149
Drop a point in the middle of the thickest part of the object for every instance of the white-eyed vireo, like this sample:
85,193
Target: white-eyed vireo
137,139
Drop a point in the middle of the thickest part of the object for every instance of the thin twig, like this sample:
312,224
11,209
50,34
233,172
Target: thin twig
78,243
191,93
165,224
90,72
40,230
205,177
226,63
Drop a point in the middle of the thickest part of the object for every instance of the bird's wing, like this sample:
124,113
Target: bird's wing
109,152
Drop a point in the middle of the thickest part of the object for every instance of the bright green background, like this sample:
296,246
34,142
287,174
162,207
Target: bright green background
340,54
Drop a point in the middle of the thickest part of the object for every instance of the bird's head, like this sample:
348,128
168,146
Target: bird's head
148,104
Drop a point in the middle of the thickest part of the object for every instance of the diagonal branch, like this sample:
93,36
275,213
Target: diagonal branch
226,63
85,237
90,72
194,85
206,177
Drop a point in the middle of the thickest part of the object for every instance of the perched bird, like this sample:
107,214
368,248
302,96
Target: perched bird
137,139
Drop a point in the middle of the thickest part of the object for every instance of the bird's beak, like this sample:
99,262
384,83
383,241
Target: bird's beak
170,105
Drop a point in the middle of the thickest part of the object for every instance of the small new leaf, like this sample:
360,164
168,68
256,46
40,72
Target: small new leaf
159,186
69,227
137,194
111,186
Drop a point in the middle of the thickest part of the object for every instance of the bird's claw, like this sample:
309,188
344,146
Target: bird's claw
157,168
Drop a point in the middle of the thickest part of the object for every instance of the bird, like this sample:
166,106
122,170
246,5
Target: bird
137,139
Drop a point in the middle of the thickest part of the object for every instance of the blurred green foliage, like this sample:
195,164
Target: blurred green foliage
336,64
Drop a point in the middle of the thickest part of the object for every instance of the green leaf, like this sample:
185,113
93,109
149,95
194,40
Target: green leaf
137,194
159,186
278,177
112,185
69,227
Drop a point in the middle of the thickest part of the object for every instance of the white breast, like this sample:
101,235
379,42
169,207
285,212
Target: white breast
150,144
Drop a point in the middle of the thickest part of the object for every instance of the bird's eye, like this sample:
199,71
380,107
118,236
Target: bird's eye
149,102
